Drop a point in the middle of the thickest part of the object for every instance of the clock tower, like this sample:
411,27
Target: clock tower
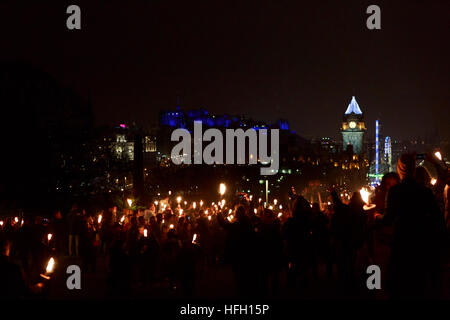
353,128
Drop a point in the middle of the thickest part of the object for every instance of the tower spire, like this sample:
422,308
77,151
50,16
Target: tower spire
353,107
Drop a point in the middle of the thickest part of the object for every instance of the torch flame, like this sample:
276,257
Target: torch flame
50,265
201,203
280,214
194,205
178,199
222,189
145,233
49,236
194,238
130,202
171,226
364,195
433,181
438,155
99,219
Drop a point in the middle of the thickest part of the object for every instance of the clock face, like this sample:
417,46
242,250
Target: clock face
352,124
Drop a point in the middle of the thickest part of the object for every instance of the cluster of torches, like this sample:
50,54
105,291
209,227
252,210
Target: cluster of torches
365,195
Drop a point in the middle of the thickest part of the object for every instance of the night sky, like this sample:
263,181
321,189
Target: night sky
264,59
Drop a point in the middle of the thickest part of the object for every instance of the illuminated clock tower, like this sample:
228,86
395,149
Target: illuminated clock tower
353,128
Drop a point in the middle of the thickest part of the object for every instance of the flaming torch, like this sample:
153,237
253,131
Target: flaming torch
145,233
222,189
365,195
99,219
433,181
130,202
48,269
194,238
438,155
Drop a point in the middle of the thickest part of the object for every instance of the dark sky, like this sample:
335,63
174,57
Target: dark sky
265,59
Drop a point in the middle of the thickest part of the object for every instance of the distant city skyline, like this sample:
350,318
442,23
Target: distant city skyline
267,61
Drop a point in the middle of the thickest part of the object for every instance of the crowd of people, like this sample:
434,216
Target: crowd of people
263,244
